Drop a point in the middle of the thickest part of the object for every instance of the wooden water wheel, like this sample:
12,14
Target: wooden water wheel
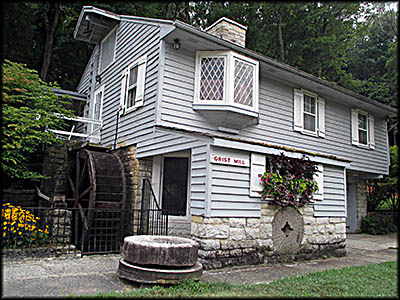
97,189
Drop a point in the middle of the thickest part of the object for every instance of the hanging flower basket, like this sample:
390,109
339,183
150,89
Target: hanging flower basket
290,181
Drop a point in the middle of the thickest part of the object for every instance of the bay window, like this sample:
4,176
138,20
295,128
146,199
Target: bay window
226,84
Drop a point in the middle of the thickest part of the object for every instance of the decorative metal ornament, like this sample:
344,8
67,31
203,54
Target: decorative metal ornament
287,230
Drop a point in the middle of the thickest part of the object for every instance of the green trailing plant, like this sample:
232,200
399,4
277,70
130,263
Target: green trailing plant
290,181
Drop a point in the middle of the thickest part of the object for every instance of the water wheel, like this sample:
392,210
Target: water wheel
96,187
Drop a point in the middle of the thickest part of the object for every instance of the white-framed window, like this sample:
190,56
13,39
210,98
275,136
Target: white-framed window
226,78
363,129
309,113
107,49
132,85
98,105
258,165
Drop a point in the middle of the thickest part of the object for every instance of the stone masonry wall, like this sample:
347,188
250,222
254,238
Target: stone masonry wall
237,241
361,201
135,171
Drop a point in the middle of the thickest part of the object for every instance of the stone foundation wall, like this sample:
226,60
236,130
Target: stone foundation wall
237,241
361,201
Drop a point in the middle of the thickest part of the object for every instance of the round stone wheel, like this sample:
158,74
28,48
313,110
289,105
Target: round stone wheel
155,275
287,230
169,251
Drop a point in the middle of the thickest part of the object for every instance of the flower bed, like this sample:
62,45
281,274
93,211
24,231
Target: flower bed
22,229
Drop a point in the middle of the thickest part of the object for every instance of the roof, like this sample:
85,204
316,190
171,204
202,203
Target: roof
102,21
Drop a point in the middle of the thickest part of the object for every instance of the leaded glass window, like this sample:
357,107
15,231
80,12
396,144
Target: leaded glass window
243,83
212,78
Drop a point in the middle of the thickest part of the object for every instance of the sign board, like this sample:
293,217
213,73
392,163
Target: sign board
229,160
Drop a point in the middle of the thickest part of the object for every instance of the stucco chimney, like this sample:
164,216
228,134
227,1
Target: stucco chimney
229,30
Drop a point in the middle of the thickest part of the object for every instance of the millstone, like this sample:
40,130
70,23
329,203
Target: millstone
154,275
160,250
287,230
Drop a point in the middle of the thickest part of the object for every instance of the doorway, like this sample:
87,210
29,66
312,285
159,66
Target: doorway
175,185
351,220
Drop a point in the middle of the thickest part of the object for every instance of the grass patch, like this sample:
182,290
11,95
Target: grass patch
379,280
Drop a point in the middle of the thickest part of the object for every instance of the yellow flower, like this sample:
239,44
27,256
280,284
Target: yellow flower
4,234
20,233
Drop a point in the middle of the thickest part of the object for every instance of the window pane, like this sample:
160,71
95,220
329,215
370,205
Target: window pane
309,122
212,78
362,121
97,106
243,83
131,97
309,104
107,50
362,135
133,76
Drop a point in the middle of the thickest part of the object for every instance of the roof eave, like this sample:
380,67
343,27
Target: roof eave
390,111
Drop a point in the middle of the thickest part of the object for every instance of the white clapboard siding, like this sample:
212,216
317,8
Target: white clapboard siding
276,116
230,188
333,203
199,177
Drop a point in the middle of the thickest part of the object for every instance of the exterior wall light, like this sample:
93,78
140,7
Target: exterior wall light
177,45
98,79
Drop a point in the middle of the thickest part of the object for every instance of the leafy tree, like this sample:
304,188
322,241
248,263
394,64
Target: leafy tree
385,191
29,106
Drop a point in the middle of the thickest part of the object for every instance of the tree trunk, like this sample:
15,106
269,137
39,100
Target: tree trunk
279,16
51,17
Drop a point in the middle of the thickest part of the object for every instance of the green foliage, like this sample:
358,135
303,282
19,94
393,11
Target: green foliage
29,106
21,228
290,181
378,224
384,192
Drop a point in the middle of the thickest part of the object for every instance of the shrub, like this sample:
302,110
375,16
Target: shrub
378,224
21,228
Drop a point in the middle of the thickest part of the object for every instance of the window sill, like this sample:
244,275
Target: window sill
362,146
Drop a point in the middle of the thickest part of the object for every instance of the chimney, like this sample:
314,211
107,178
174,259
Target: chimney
229,30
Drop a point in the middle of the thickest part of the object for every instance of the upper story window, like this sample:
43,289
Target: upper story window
107,49
132,85
226,78
309,113
212,78
363,131
98,105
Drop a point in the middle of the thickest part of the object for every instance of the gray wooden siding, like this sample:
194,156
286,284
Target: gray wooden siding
276,116
161,142
133,41
230,187
333,204
199,179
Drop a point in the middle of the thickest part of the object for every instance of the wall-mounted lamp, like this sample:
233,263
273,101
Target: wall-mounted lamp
98,79
177,45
